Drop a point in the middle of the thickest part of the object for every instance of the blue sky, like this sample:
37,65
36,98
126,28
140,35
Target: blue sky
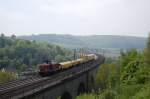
76,17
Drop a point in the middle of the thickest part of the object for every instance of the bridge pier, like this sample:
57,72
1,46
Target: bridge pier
81,88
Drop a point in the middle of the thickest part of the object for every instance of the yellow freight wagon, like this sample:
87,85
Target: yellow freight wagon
83,59
65,65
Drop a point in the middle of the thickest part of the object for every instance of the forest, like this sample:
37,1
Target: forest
128,77
19,55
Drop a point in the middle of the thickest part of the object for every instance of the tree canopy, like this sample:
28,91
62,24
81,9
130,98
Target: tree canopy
23,54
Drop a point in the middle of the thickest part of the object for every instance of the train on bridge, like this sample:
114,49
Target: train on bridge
51,68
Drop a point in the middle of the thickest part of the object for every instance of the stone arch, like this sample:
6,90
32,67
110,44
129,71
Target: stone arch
66,95
81,88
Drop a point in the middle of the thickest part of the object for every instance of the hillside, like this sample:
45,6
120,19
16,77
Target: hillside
17,55
94,41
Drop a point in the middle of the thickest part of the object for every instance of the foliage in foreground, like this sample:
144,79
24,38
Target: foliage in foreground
128,82
123,92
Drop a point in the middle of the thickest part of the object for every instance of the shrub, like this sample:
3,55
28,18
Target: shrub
6,76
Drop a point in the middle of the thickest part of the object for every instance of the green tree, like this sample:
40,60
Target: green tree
147,51
2,40
6,76
107,76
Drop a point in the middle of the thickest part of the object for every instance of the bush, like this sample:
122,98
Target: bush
6,76
144,93
107,76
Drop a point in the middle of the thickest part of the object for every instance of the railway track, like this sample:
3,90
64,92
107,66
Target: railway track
18,83
11,89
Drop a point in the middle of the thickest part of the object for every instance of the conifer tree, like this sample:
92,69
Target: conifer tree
147,51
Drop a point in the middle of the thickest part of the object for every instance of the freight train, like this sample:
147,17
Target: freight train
50,67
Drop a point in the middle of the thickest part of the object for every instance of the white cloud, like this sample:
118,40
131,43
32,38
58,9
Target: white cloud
119,17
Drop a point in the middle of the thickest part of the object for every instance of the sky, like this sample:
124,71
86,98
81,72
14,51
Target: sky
76,17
